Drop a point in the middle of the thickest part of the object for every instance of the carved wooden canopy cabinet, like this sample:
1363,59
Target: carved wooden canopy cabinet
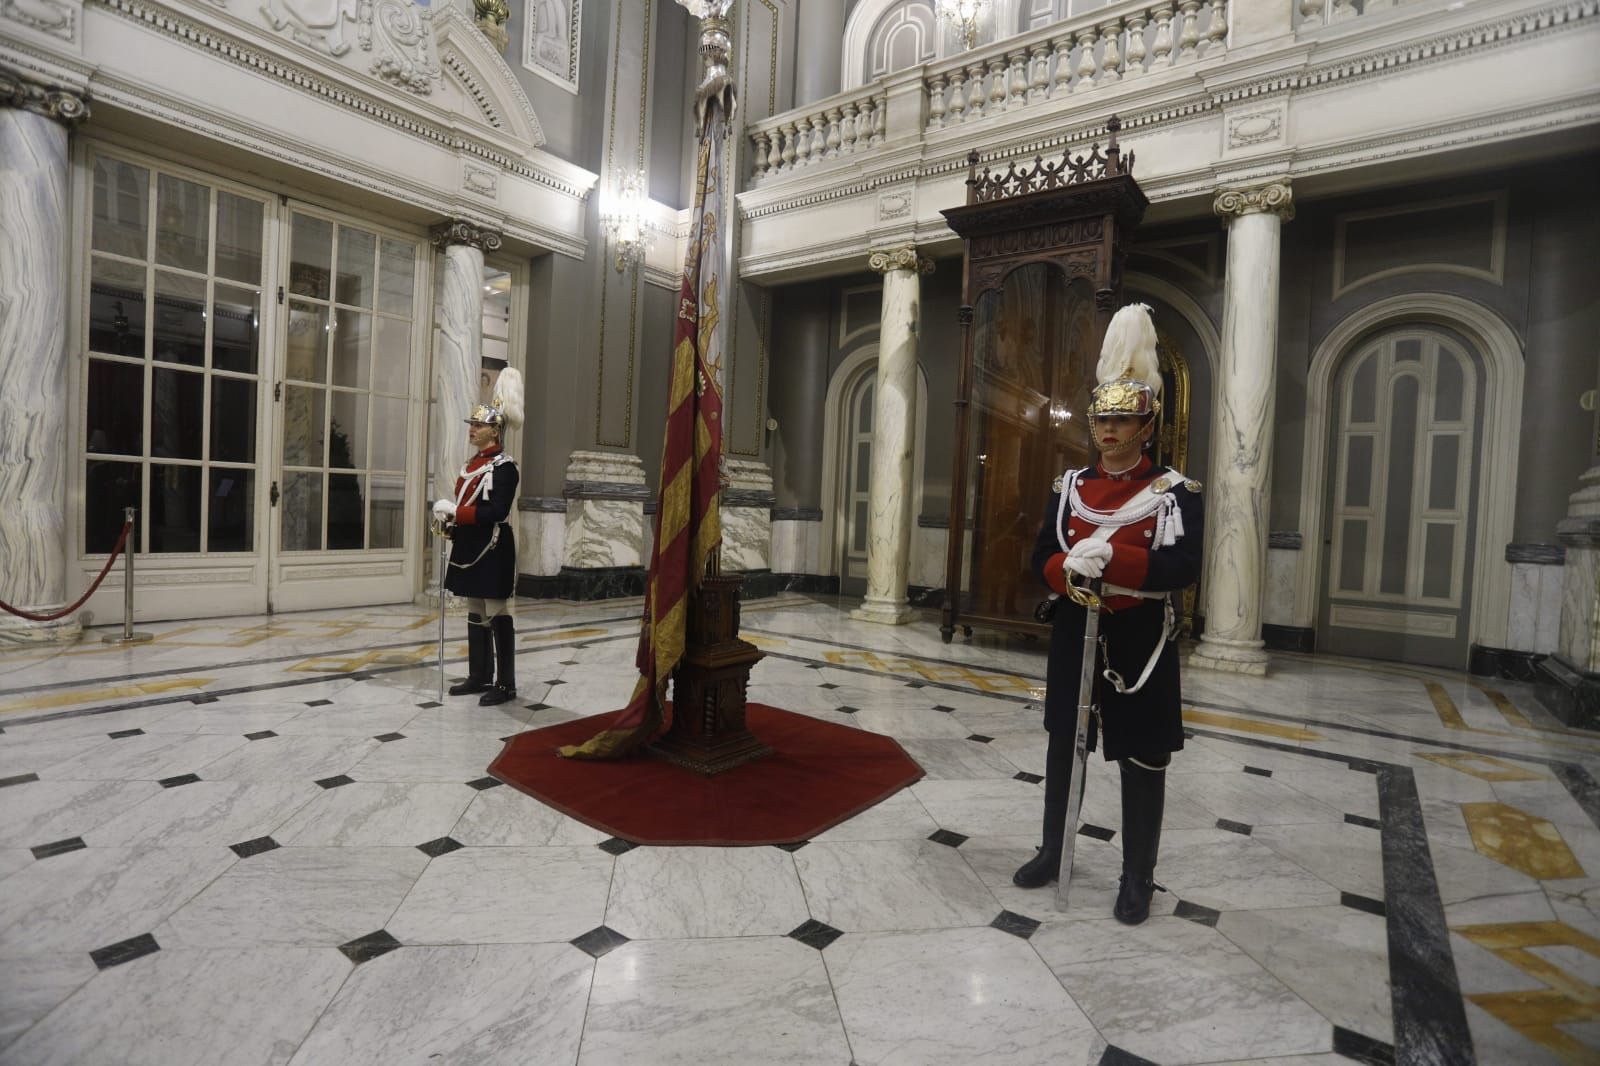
1042,276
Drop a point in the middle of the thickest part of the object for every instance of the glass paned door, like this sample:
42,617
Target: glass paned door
171,370
345,384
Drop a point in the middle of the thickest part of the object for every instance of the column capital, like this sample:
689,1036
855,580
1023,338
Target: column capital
1274,197
907,258
462,231
54,102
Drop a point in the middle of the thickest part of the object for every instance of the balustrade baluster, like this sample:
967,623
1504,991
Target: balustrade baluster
763,145
1311,13
1190,37
1111,54
1062,82
1086,64
1217,28
802,143
791,146
1161,50
1018,78
880,117
997,86
775,158
958,97
864,124
1135,62
978,91
847,131
835,116
936,102
1039,71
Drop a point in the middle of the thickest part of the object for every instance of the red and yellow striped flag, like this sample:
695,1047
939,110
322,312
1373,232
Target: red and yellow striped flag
688,524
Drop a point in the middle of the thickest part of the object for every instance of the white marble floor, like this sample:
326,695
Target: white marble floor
264,840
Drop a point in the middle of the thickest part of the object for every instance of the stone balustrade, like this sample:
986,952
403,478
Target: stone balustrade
1309,14
1121,41
836,127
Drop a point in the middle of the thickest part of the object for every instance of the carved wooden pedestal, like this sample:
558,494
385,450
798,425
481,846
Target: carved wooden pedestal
708,733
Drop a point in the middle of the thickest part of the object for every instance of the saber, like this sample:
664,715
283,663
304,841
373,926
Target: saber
443,562
1080,736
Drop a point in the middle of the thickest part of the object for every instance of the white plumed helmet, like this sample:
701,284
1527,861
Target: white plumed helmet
1129,372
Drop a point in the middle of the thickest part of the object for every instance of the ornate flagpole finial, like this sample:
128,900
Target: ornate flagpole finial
716,44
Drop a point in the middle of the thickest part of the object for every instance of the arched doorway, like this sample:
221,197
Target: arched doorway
1404,446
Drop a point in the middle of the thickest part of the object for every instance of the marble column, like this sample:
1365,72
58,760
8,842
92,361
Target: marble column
1569,680
1241,460
458,343
894,421
35,227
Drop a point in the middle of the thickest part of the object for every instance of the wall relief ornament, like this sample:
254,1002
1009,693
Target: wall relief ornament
1255,127
907,258
1276,197
397,32
47,16
61,105
461,231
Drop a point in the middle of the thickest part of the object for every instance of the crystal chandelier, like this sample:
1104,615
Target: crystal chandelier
964,16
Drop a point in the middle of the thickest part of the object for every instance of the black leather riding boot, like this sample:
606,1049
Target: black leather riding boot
505,662
480,669
1144,794
1045,866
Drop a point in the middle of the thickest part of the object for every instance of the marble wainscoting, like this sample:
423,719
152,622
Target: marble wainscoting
605,526
747,516
541,535
1279,609
928,542
1533,622
797,540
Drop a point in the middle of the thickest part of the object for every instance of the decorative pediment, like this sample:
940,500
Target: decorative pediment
476,73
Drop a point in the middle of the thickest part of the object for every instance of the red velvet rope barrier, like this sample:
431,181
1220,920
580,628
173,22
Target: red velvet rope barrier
116,551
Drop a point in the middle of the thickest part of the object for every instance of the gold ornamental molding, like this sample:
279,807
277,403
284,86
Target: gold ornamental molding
907,258
1275,197
461,231
52,101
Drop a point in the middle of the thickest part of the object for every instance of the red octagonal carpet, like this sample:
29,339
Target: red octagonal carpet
819,775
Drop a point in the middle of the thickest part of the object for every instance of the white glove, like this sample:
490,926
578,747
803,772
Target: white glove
1089,558
445,510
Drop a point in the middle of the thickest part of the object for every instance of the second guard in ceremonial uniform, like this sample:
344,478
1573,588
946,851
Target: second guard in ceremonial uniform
1136,526
483,548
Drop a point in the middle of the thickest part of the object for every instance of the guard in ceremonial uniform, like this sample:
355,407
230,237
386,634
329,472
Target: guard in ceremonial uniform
1138,527
483,549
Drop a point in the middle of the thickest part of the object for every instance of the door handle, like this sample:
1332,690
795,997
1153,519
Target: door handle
273,495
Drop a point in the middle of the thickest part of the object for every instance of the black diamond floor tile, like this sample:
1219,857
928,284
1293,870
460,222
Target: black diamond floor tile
1258,771
389,737
942,707
599,940
254,847
182,779
442,846
19,779
1241,828
569,662
616,846
1098,832
1361,1048
483,783
1115,1056
318,703
1357,819
336,781
915,684
555,681
1196,913
979,738
1019,925
262,735
815,934
827,684
197,700
1023,775
429,705
947,838
537,706
125,951
1363,903
58,847
847,709
366,948
119,734
792,846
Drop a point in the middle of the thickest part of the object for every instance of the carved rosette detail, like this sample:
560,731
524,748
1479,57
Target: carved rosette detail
1276,197
460,231
907,258
61,105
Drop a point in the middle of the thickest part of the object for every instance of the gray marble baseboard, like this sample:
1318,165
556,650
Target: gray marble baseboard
601,583
1570,694
747,498
1504,663
1289,638
546,504
605,490
1538,554
1582,532
797,514
1285,539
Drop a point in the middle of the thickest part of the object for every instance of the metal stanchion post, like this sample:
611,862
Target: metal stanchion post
444,562
128,636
